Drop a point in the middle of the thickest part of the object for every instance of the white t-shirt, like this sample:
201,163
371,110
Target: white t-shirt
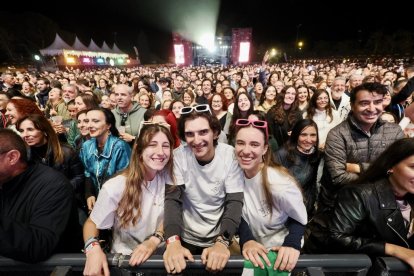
287,198
205,191
104,213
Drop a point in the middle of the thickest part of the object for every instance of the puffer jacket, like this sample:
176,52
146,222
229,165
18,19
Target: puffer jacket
348,143
365,217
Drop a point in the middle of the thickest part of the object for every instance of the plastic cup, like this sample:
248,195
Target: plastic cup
121,129
57,119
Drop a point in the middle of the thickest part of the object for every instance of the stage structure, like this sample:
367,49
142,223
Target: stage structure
241,45
226,50
80,55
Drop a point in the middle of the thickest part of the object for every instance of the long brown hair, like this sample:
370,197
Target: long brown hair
53,145
129,209
313,105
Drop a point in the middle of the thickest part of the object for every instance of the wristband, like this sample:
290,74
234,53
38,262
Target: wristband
225,243
90,240
159,235
172,239
90,246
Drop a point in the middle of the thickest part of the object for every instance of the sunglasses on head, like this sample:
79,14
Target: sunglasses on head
149,123
254,123
198,108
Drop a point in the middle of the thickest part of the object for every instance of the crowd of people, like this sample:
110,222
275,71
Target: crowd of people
307,157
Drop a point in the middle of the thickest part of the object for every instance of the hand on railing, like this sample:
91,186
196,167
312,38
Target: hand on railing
252,251
143,251
96,263
175,258
216,257
287,257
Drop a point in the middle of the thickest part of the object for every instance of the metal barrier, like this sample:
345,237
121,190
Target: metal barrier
314,265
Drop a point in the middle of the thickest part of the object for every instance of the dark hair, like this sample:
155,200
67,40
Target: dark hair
213,122
278,113
53,145
370,87
109,119
313,105
10,140
394,154
292,143
172,121
238,115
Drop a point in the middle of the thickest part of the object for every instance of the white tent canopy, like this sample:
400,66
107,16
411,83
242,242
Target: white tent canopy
56,48
60,47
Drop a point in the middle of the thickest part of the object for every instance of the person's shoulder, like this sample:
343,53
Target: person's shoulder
280,178
46,176
115,184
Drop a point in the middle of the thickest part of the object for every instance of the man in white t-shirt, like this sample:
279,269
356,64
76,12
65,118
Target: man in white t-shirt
202,212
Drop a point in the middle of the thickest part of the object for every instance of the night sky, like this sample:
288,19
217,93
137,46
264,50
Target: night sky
128,21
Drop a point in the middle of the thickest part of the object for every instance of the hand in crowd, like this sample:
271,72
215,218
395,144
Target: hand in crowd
215,258
353,168
175,258
287,257
90,202
252,251
96,263
143,251
59,128
126,137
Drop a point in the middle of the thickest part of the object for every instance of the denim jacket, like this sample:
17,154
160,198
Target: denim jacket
100,167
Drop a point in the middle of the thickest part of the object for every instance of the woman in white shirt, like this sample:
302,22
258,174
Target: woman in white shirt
321,112
274,215
132,203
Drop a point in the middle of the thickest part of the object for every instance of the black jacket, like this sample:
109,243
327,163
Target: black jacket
38,216
365,217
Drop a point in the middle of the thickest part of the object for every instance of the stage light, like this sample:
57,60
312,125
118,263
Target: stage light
111,62
207,41
128,61
70,60
86,60
37,57
273,52
100,60
120,60
179,53
244,51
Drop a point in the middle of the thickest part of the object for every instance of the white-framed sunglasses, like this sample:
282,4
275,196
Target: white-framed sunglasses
197,108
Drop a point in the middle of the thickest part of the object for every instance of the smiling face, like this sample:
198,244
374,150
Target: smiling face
250,148
290,96
216,103
367,108
307,139
98,128
243,103
200,137
12,114
31,135
156,155
322,101
83,124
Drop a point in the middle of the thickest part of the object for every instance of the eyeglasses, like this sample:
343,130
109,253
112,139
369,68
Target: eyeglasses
124,117
198,108
254,123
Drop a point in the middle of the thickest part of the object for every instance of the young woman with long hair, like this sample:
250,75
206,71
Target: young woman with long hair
132,203
274,216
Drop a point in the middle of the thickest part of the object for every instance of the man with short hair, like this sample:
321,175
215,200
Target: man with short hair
178,87
4,99
206,86
354,81
9,85
38,214
43,88
127,113
353,144
69,92
203,209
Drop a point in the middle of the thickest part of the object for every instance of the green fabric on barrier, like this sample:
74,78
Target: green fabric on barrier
251,270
